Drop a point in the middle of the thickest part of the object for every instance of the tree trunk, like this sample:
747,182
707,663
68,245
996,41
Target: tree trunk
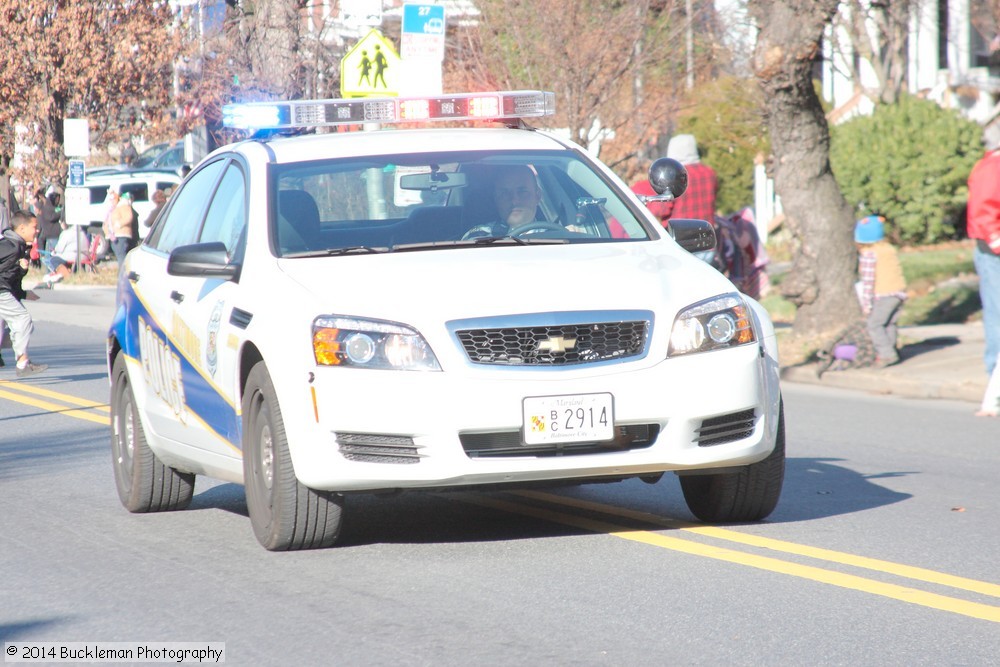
820,282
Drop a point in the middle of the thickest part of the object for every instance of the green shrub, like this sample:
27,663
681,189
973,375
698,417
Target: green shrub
908,162
728,124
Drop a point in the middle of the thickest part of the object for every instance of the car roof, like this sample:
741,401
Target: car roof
105,178
408,141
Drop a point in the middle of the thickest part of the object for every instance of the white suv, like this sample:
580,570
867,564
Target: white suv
140,184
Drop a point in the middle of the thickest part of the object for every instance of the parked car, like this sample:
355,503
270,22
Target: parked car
141,184
162,156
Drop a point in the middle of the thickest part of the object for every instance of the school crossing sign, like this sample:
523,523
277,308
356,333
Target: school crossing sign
371,68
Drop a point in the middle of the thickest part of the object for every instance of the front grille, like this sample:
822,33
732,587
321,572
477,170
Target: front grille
378,448
725,428
555,345
509,443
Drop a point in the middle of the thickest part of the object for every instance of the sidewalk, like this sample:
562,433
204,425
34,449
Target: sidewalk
938,361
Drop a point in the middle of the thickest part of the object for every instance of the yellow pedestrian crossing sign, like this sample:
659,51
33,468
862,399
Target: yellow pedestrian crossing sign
371,68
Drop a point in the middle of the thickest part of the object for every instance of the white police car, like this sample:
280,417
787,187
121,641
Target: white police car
319,315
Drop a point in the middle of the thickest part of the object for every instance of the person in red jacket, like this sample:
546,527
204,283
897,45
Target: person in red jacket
698,201
984,227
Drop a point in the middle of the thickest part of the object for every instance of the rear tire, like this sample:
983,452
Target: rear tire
748,495
285,515
145,484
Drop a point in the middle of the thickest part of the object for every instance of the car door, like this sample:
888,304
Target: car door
215,330
156,334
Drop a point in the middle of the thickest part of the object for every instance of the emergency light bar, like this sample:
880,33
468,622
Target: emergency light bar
324,113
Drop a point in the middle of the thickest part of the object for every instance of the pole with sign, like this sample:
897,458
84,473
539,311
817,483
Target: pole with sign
421,46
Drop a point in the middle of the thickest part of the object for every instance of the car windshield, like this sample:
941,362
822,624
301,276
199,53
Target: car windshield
147,157
398,203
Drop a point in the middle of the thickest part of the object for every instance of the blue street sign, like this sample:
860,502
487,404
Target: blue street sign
423,19
77,173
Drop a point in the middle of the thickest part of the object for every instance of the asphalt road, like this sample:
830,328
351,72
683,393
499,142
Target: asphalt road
882,551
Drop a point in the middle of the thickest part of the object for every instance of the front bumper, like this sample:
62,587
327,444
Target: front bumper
434,410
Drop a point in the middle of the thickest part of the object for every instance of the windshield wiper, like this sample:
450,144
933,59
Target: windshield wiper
528,239
349,250
479,241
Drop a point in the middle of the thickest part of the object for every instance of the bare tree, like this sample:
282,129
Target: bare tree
877,32
823,272
265,47
110,62
615,67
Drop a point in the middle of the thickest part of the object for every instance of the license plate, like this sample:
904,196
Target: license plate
570,418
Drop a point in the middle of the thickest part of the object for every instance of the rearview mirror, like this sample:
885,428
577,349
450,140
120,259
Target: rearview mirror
438,180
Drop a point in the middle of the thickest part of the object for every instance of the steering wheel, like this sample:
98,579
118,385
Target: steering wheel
536,226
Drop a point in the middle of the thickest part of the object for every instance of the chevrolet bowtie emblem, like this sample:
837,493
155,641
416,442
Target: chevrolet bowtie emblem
556,344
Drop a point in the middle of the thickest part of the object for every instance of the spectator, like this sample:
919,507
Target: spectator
14,252
991,398
698,201
72,241
984,227
47,212
124,227
110,204
129,154
160,199
882,287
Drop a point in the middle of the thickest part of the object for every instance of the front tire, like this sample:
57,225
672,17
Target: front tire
748,495
145,484
285,515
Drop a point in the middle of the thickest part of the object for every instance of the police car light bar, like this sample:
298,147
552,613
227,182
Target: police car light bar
324,113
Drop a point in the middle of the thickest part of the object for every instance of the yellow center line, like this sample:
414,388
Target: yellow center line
48,393
79,413
848,581
874,564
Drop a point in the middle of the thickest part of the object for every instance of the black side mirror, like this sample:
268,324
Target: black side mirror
668,176
692,235
206,260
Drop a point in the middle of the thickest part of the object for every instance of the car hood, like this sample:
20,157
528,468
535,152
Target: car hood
429,287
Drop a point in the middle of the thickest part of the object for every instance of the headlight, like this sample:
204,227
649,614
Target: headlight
360,343
723,321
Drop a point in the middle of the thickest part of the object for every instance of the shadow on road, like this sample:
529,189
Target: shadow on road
9,631
27,456
814,488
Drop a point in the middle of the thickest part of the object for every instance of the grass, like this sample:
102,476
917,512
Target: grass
105,273
941,283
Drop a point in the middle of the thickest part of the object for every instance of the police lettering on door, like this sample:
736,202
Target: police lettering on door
161,368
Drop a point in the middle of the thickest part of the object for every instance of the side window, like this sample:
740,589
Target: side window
139,191
165,186
98,193
227,215
181,224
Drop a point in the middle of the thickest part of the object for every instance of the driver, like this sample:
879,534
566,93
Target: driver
516,195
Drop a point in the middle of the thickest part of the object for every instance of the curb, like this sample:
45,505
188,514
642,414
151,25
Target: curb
893,381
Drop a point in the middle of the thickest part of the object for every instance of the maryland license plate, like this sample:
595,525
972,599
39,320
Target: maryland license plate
570,418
